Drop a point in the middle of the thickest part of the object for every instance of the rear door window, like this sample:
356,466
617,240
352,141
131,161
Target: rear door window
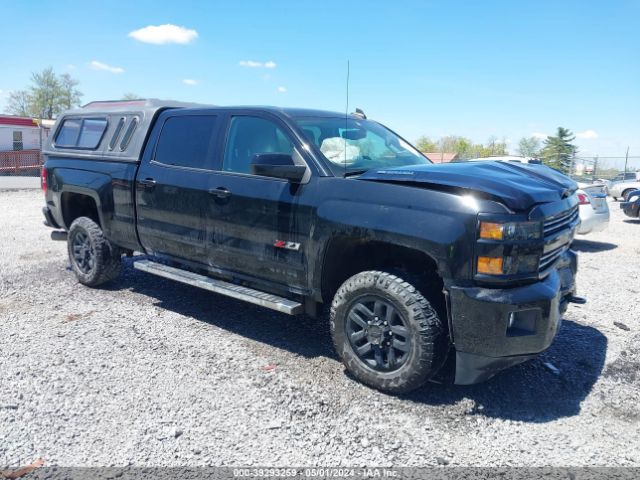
187,141
81,133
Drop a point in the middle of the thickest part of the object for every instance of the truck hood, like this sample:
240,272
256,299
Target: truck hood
518,185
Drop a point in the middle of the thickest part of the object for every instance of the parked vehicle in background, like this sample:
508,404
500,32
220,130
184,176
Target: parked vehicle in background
631,207
462,266
626,177
508,158
594,210
622,189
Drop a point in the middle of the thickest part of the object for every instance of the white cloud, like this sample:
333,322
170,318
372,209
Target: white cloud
539,135
190,81
254,64
96,65
162,34
587,135
282,89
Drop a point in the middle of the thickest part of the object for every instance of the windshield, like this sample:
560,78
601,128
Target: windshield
354,145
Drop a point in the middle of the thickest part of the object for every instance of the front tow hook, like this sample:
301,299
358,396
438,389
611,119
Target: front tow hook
59,235
578,300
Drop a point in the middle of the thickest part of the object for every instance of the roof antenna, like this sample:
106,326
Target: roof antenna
346,117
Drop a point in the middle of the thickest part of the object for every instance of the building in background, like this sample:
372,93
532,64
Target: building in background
21,140
441,157
22,133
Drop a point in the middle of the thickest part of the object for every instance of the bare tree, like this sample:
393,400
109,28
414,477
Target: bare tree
19,103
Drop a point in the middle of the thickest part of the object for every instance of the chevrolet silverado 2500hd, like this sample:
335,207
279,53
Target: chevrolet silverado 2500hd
419,265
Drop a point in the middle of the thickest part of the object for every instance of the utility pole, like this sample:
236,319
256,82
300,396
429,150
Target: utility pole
626,159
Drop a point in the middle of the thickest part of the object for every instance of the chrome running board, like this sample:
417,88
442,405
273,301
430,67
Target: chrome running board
246,294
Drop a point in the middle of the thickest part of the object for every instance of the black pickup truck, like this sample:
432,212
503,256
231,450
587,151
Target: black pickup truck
418,265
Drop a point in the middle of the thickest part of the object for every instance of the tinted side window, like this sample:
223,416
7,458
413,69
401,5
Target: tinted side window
81,133
251,135
68,133
187,141
91,132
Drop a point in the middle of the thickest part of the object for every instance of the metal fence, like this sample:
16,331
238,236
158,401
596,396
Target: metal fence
20,163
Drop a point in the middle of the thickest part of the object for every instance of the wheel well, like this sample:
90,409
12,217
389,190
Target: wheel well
627,190
75,205
345,257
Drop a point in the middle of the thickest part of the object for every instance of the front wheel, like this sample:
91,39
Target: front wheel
387,334
627,194
93,259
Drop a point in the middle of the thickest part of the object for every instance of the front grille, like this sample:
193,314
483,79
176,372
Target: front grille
561,221
553,229
549,258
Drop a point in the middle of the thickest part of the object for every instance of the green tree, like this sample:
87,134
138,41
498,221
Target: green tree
558,151
529,147
130,96
69,95
456,144
45,94
491,148
425,144
48,95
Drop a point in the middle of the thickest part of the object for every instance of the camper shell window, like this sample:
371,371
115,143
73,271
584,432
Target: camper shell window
81,133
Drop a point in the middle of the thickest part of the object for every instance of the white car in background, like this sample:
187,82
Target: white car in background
594,210
624,188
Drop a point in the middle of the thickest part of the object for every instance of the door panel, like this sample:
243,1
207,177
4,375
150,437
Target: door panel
262,229
174,206
262,225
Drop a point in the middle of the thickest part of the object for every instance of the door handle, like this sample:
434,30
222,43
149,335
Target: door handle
147,183
220,192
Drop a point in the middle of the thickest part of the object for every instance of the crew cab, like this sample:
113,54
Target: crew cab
421,268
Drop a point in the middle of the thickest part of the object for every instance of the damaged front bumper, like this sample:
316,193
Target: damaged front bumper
493,329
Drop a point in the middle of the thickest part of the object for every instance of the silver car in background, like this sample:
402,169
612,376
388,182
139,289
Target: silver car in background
594,210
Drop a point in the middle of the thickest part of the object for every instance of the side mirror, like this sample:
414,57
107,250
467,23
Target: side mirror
277,165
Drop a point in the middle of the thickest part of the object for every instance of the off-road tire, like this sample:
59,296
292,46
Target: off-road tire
107,263
429,343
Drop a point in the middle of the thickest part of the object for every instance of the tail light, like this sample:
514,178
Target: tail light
43,178
583,199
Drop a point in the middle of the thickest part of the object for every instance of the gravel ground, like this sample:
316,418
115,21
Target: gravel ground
150,372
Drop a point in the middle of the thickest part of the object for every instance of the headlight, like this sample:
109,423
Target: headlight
501,251
634,198
508,265
510,231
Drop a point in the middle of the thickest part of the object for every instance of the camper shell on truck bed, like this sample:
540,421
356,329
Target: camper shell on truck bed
418,267
117,129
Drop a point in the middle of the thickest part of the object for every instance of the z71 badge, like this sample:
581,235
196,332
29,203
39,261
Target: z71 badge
288,245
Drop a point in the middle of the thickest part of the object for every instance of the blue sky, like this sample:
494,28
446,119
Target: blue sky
503,68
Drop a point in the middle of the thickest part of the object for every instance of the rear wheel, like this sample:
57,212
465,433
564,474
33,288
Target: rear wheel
387,334
93,259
